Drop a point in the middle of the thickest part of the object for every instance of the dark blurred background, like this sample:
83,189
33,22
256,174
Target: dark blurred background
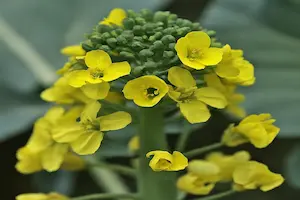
33,31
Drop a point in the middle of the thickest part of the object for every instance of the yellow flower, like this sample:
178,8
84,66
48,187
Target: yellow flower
115,17
253,175
75,50
228,163
164,161
234,68
41,196
34,161
146,91
200,179
191,100
50,153
194,50
228,90
86,135
134,143
257,129
100,69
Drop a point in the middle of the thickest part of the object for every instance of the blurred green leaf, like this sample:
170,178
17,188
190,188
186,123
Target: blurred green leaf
292,167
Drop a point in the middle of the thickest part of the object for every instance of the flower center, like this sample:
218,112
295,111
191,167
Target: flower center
90,125
194,54
96,73
152,92
163,164
186,94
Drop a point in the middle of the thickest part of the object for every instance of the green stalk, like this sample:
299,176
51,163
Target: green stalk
154,185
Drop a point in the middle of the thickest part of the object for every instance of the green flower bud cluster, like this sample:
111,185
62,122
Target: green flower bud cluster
146,40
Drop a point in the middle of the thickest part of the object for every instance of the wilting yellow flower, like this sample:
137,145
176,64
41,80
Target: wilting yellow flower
200,179
134,143
41,196
194,50
228,90
115,17
253,175
146,91
31,161
234,68
164,161
191,100
86,135
257,129
75,50
50,153
228,163
100,69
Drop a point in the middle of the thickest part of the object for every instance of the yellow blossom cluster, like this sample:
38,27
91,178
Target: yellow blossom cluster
205,77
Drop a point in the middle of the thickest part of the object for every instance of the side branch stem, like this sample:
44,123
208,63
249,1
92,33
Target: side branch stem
199,151
106,196
218,196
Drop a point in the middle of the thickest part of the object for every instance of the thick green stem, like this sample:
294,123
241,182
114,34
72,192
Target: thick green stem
154,185
105,196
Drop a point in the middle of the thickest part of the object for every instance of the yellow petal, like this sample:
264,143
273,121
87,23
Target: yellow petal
203,168
75,50
173,94
28,161
190,183
212,80
54,113
211,56
180,162
114,121
97,59
198,40
226,71
115,97
67,133
195,111
211,97
96,91
181,78
40,139
160,161
134,143
53,157
116,17
90,111
275,181
87,143
116,70
32,196
73,162
78,78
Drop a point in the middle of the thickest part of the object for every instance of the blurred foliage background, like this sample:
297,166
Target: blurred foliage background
33,31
